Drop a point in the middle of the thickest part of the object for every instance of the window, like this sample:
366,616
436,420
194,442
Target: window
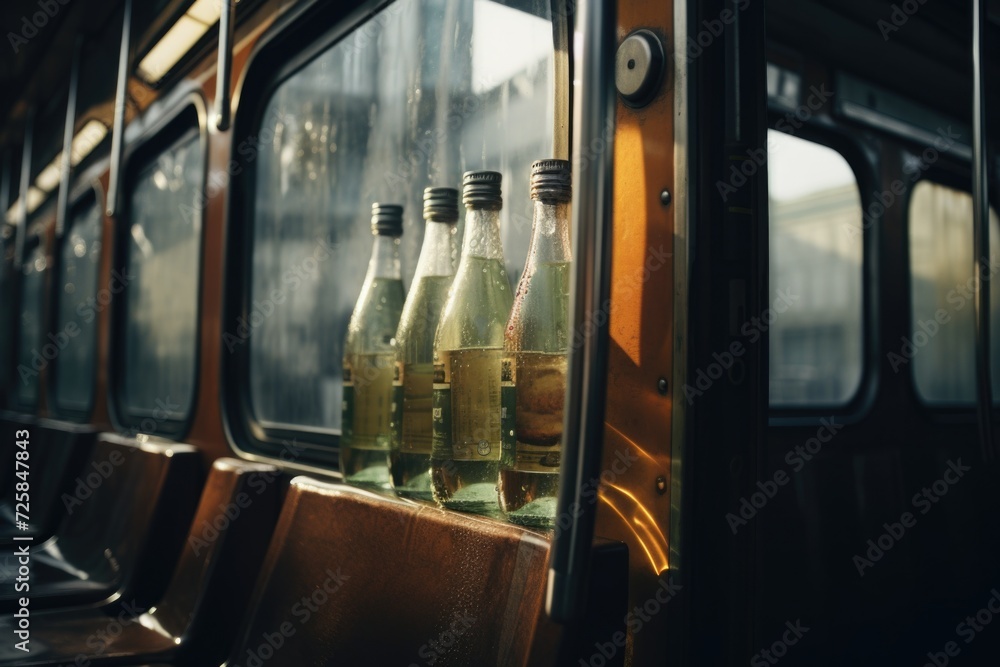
160,280
423,92
816,249
76,309
942,342
30,359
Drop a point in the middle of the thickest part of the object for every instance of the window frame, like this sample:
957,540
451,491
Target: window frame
91,191
188,116
300,35
957,175
33,240
865,163
295,40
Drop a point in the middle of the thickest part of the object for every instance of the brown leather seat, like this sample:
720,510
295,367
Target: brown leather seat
56,453
353,578
107,543
196,621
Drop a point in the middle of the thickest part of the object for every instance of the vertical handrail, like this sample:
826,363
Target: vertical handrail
224,67
981,235
121,100
21,230
66,164
583,423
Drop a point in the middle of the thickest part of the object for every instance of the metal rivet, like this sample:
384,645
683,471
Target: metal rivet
661,485
665,197
662,386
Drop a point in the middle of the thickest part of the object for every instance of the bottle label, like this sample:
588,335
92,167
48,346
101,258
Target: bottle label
416,399
540,390
347,405
441,416
508,400
471,381
371,410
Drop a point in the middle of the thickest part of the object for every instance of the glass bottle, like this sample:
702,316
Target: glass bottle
535,354
369,358
468,348
410,455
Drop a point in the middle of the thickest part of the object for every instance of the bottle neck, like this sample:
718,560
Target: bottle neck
435,253
550,234
482,234
385,259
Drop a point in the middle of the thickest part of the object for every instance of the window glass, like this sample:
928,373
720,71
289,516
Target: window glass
161,273
942,342
424,91
815,314
76,313
29,356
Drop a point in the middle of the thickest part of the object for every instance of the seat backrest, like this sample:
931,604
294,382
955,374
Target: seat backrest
353,578
222,555
127,511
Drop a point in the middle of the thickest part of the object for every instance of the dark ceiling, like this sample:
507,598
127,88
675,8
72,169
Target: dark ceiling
928,60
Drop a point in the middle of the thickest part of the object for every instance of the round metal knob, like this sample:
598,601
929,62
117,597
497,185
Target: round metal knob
639,66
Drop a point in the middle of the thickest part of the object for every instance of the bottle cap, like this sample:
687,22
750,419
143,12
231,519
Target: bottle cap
481,189
441,204
387,219
551,181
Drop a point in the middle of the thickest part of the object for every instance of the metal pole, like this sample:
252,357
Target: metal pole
66,166
583,425
121,99
224,69
981,236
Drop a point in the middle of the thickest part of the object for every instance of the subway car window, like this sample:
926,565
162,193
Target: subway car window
815,274
29,359
162,269
941,347
78,299
412,99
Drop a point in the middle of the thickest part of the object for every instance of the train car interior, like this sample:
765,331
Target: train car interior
724,391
